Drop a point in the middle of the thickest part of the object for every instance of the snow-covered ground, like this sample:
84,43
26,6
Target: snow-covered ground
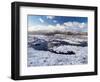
47,58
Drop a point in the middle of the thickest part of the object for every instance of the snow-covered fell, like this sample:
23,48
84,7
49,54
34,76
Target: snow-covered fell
47,58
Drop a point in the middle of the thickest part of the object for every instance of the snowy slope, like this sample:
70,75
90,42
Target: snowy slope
47,58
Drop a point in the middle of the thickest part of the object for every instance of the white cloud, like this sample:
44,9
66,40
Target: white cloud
36,28
83,25
50,17
72,26
41,20
68,24
75,24
47,28
54,21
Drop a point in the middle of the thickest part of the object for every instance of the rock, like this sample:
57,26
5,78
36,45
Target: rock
70,52
64,53
40,44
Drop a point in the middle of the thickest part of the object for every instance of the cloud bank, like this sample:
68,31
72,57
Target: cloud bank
67,26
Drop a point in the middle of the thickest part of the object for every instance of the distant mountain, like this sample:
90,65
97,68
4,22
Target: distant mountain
46,32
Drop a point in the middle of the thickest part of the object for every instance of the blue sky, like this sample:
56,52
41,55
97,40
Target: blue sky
67,22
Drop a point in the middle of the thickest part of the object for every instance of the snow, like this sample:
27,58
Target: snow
64,48
47,58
